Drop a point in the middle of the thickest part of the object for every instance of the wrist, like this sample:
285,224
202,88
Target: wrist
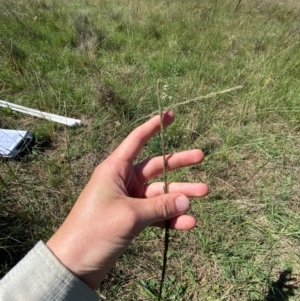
90,263
74,260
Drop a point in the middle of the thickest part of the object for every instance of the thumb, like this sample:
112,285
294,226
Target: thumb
163,207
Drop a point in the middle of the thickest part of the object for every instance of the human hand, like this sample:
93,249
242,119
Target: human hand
117,204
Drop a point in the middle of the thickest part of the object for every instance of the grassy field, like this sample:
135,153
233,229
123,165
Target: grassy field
100,61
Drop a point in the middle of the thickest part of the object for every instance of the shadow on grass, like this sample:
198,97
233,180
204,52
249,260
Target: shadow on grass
281,290
15,241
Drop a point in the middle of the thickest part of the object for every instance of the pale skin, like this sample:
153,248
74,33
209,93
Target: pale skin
117,204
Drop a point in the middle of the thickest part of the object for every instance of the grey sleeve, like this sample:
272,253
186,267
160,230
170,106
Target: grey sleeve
39,276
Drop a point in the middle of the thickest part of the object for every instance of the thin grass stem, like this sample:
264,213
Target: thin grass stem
167,224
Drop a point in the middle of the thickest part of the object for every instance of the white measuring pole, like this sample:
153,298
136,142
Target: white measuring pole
52,117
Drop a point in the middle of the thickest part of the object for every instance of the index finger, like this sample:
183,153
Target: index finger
131,146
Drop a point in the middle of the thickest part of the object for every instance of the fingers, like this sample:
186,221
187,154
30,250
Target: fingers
188,189
161,208
131,146
155,211
181,222
152,167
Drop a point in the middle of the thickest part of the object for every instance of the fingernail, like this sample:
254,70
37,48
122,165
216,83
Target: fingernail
168,117
182,203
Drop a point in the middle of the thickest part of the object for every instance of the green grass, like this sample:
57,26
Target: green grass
100,61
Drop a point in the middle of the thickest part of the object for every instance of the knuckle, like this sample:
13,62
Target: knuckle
162,207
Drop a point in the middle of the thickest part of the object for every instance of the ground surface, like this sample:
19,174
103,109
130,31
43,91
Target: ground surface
100,61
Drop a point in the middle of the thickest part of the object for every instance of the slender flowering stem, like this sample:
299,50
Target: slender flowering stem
167,224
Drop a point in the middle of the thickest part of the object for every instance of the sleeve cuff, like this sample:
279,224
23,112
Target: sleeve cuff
41,276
